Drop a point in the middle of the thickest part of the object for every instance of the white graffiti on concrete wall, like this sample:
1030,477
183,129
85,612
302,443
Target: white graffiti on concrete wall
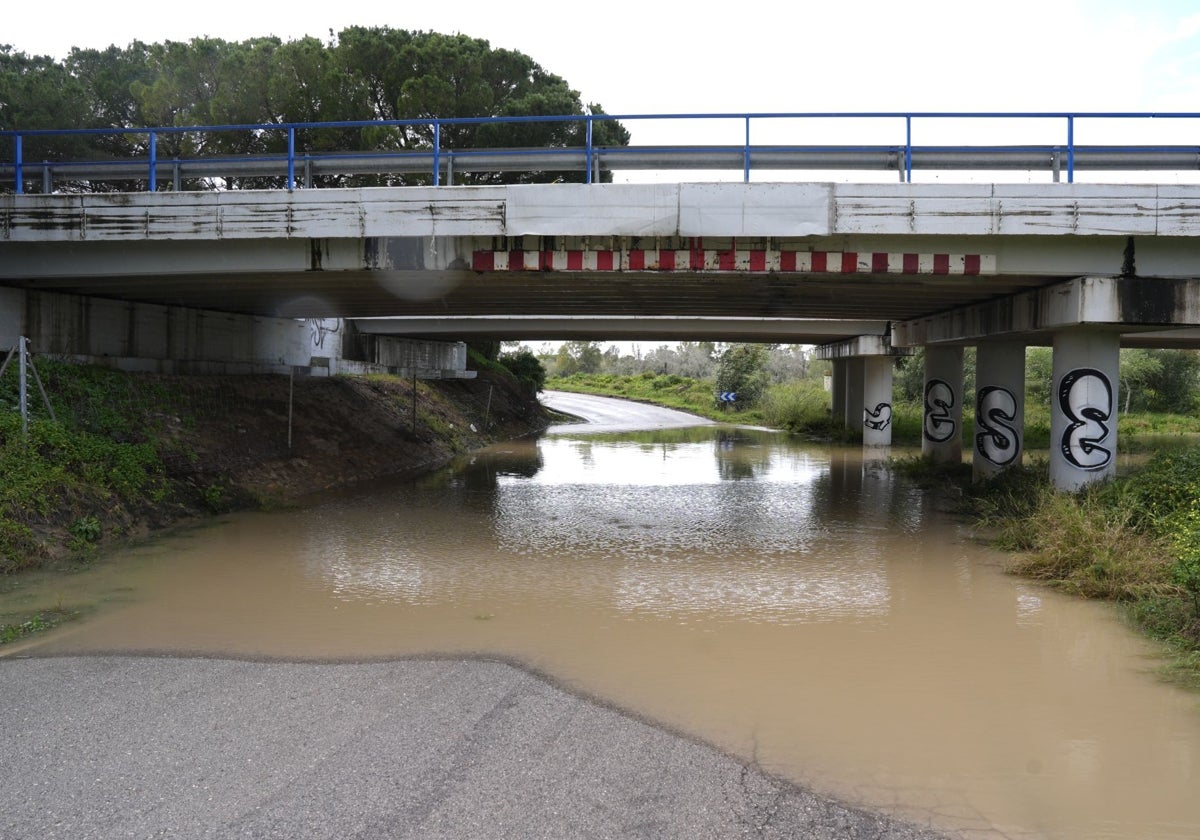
940,424
997,438
878,418
1085,397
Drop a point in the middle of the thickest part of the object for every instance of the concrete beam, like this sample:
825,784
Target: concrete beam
1120,304
619,328
874,344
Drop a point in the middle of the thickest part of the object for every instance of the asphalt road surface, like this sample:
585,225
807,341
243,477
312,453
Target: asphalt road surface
605,414
128,747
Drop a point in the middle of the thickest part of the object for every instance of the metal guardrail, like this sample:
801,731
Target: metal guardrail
441,163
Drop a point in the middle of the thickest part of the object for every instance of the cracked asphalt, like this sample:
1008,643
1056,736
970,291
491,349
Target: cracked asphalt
139,747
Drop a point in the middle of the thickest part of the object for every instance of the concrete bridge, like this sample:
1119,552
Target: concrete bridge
863,270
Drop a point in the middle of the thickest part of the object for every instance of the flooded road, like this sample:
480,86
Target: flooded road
785,601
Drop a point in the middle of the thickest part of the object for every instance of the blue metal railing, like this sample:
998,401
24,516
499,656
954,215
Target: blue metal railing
146,167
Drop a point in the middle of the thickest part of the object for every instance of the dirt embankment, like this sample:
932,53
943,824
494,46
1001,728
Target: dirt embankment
343,430
231,442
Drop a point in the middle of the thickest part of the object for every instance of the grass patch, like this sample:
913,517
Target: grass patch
37,623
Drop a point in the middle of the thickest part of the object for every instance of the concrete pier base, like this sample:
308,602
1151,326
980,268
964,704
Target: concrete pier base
837,392
877,401
941,437
855,398
1083,407
999,407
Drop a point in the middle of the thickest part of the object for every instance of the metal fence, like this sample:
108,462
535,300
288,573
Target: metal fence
760,146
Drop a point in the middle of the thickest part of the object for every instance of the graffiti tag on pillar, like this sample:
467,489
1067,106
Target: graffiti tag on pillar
1085,396
996,439
878,418
940,425
318,330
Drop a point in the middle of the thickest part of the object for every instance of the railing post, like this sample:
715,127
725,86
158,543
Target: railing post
291,178
22,363
153,184
746,154
437,153
908,148
1070,149
17,165
588,134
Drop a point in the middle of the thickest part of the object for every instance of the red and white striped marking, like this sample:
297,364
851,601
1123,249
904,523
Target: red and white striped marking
756,260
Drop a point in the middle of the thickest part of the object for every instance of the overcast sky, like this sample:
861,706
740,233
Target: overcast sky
648,57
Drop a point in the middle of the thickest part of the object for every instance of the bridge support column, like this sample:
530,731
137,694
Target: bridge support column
877,401
1083,407
837,395
999,407
862,385
855,375
941,438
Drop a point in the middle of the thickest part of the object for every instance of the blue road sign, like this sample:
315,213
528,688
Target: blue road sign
728,396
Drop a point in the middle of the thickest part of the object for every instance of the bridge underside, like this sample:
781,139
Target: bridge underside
361,294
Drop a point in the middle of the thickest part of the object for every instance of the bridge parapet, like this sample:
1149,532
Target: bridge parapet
621,210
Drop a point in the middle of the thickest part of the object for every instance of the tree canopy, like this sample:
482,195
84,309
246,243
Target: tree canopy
362,73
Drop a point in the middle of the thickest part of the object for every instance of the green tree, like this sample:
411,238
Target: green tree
38,93
743,370
363,73
578,357
524,365
1159,380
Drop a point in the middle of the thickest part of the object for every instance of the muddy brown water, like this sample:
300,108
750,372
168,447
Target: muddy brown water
793,604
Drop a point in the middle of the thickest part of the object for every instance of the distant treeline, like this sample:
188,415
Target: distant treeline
362,73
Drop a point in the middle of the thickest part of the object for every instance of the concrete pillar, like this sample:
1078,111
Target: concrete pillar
941,438
877,401
838,391
854,392
1083,407
999,407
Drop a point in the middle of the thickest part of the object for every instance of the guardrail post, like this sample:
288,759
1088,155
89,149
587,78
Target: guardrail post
291,176
1070,149
908,149
588,134
746,154
153,183
437,153
17,166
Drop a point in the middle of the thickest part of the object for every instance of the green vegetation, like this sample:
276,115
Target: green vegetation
38,622
361,73
72,472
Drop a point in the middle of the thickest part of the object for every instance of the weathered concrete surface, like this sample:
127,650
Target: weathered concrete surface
687,209
114,747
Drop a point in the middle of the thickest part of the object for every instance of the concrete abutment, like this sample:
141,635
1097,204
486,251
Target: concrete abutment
170,339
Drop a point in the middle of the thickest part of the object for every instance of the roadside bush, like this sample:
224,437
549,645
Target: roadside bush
797,406
526,368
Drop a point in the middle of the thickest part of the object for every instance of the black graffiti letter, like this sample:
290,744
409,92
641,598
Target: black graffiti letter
996,439
939,399
1085,398
879,418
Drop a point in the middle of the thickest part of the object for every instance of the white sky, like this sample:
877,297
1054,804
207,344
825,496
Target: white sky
645,57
